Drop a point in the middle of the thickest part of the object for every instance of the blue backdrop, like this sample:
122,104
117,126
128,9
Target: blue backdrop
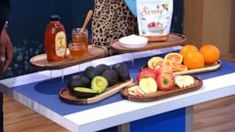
28,20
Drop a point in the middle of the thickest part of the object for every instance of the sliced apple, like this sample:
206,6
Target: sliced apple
132,89
135,91
184,81
148,85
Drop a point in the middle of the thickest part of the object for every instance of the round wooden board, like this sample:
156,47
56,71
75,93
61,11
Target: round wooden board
65,95
174,39
94,52
162,94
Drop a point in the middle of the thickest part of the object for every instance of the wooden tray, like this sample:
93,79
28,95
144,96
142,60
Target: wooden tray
65,96
207,68
162,94
173,40
94,52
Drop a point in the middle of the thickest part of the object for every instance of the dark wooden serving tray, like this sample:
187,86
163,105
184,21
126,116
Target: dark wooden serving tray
94,52
65,96
162,94
174,39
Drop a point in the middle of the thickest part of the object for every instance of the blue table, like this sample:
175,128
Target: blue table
39,91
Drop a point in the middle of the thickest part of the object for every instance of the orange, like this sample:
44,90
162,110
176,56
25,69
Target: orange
176,57
166,62
153,61
158,65
210,52
194,60
178,67
187,49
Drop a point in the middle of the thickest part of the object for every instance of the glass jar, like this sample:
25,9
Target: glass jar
55,40
79,46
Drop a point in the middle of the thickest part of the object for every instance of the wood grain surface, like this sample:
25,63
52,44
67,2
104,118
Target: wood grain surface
94,52
68,98
173,40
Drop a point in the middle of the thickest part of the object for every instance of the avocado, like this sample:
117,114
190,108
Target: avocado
90,72
78,81
111,76
123,71
82,92
100,69
99,84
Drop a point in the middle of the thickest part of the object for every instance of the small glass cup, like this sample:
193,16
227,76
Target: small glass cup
79,46
77,50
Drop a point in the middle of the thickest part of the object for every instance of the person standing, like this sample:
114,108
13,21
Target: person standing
6,54
111,20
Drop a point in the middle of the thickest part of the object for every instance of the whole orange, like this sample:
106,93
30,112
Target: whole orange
194,60
210,52
187,49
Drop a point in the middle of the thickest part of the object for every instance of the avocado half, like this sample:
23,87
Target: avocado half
99,84
82,92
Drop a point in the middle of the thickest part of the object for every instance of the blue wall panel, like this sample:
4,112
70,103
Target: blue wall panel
168,122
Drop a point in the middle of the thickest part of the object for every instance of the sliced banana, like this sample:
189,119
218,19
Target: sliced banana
183,81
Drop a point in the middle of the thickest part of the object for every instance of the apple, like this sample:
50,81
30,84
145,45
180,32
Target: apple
146,73
148,85
166,81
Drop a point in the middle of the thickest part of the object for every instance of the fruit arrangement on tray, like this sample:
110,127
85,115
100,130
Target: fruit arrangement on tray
154,84
189,60
158,79
96,81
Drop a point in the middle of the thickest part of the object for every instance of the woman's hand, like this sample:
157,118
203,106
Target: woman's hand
6,53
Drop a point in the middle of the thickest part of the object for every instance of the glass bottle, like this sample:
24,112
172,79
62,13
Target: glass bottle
55,40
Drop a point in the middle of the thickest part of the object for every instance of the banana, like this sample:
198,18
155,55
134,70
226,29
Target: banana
183,81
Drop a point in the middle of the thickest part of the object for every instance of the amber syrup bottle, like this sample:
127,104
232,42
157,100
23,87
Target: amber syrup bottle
55,40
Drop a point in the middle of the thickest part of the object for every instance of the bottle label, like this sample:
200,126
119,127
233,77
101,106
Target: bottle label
60,44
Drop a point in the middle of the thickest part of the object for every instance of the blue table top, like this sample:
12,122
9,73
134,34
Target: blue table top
46,92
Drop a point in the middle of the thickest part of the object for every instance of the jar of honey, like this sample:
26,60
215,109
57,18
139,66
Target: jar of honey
55,41
79,46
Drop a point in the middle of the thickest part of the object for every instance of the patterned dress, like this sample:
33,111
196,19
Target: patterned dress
111,20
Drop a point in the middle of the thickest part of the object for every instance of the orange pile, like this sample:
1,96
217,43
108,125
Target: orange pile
190,56
194,58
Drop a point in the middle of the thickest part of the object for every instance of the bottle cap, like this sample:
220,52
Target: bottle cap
55,18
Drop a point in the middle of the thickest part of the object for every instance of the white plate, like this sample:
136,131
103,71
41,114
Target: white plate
133,41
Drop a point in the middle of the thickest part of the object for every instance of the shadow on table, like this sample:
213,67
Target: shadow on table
51,87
